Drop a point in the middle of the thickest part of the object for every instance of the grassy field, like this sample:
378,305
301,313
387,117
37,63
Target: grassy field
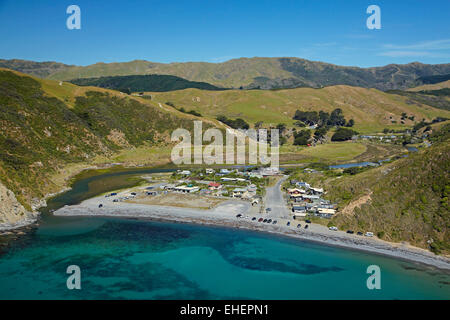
371,109
335,152
436,86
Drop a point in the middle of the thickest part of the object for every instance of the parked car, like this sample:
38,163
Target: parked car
369,234
268,209
265,220
299,225
333,228
350,232
306,226
254,218
359,233
100,205
274,222
269,221
260,219
288,223
239,215
308,221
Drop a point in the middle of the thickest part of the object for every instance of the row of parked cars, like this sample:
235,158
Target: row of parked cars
270,221
359,233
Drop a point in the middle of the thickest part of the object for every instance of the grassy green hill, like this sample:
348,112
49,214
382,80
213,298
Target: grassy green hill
431,87
38,69
436,94
406,200
371,109
263,73
47,126
139,83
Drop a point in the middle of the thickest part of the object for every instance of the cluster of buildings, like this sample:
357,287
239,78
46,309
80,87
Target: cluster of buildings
259,173
384,138
234,183
305,200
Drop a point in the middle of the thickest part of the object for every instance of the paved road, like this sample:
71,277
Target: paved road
274,200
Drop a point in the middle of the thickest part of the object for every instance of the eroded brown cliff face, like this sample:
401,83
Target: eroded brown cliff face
12,213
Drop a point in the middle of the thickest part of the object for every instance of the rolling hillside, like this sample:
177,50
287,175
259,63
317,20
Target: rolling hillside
405,200
139,83
46,126
371,109
431,87
38,69
263,73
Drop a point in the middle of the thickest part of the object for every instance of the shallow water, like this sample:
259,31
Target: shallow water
129,259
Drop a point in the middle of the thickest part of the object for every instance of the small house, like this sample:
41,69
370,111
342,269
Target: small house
214,186
228,179
239,192
187,189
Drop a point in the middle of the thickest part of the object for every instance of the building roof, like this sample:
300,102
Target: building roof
214,184
326,211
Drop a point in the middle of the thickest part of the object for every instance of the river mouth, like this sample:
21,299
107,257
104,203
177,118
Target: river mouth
141,259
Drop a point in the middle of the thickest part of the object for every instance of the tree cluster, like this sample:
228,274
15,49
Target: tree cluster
322,118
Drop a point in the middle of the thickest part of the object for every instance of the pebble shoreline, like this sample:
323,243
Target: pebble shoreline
225,215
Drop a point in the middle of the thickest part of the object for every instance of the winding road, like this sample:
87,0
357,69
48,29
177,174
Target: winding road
274,200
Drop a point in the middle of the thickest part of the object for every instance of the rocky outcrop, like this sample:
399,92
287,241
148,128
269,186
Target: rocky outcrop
12,213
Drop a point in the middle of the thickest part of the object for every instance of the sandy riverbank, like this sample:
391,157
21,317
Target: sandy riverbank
225,215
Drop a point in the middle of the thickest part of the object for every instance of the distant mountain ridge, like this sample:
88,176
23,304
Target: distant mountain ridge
247,73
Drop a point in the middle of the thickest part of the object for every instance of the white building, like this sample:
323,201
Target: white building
186,189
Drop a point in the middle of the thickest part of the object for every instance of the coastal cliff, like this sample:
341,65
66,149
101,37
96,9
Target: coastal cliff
12,213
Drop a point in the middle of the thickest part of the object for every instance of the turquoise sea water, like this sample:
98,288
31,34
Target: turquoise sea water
129,259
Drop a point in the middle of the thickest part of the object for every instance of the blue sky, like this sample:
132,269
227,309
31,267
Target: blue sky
332,31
